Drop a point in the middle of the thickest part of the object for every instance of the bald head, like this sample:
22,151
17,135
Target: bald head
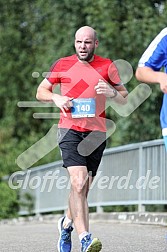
86,30
85,43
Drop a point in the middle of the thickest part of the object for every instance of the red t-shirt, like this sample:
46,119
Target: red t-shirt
77,79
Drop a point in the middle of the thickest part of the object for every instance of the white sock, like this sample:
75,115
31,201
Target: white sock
67,222
83,234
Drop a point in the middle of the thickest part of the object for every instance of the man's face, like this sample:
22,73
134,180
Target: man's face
85,45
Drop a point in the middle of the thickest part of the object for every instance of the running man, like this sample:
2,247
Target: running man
150,64
85,81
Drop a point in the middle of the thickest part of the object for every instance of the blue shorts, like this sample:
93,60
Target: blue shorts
82,148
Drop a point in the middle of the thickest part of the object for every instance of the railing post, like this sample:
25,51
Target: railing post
141,207
99,209
37,197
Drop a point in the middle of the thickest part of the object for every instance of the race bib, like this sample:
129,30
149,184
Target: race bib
83,107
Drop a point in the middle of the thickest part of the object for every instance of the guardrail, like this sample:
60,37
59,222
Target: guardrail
133,174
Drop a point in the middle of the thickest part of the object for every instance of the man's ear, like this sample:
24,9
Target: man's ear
96,43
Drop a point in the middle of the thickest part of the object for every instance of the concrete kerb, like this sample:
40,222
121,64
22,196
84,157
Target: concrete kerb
117,217
132,217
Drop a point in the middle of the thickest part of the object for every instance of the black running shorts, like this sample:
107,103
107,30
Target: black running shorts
82,148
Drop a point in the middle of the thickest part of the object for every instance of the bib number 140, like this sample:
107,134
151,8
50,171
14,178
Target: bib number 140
83,107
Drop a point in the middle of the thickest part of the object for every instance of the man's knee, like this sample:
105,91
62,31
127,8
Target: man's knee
80,185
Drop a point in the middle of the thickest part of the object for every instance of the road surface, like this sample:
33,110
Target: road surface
116,237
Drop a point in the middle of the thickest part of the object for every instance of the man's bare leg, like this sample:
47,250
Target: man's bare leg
78,205
68,220
78,209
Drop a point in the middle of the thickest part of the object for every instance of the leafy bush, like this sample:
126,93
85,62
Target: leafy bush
27,202
8,201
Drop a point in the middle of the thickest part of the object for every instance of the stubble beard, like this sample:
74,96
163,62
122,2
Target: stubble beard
88,57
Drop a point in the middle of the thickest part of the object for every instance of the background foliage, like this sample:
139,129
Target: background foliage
33,34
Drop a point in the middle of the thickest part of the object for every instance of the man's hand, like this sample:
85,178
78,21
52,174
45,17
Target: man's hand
163,82
62,102
103,88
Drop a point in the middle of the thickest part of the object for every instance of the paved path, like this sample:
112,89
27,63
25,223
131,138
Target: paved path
116,237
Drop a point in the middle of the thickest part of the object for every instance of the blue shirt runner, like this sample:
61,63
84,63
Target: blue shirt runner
155,57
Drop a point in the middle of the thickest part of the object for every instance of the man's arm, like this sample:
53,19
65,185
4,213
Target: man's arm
148,75
118,93
45,94
44,91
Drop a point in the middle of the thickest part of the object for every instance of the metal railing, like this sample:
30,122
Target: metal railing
133,174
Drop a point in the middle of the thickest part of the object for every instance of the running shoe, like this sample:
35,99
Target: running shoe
64,242
90,245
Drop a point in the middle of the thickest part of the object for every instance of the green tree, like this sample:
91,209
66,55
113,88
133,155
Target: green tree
34,34
8,201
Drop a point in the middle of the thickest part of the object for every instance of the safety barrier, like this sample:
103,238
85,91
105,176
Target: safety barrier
133,174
